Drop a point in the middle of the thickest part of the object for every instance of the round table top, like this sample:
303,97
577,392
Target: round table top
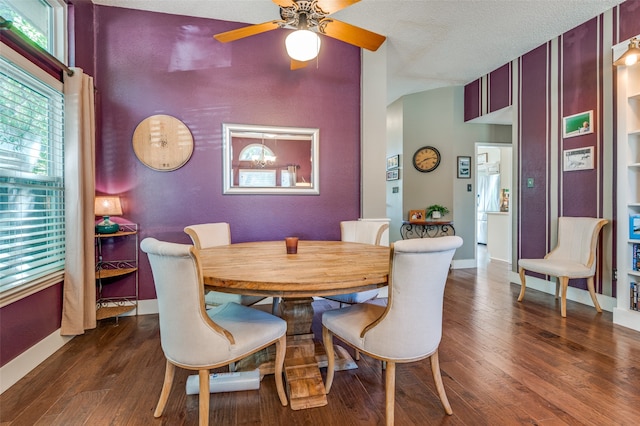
320,268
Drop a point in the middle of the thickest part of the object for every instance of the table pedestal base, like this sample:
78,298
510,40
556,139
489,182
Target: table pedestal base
304,357
304,381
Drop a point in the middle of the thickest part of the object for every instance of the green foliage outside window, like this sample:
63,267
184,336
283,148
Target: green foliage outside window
24,121
23,25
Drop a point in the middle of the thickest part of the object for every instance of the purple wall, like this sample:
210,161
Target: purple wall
629,24
472,100
581,87
500,88
149,63
28,321
533,119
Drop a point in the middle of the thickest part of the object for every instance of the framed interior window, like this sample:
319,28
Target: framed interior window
257,178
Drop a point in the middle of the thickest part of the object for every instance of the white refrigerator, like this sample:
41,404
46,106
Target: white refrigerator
488,200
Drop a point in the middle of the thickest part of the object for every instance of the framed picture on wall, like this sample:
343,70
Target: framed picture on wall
393,162
577,124
464,167
577,159
392,174
417,215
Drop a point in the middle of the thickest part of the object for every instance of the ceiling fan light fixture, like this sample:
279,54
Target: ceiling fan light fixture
631,56
302,45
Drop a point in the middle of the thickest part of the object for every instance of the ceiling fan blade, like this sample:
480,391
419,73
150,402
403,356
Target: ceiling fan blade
284,3
332,6
247,31
351,34
296,65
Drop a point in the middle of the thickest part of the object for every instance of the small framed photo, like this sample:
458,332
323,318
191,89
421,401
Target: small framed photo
483,158
393,162
577,124
464,167
578,159
417,215
393,174
634,227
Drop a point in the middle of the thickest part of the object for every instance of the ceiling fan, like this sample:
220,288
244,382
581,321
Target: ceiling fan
309,17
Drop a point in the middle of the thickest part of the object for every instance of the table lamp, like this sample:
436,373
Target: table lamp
105,207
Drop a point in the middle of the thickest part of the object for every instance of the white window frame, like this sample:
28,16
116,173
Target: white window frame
16,293
57,31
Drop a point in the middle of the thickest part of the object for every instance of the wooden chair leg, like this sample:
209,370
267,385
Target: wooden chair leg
592,292
390,393
557,287
203,396
523,282
437,378
281,349
564,282
327,340
169,373
357,356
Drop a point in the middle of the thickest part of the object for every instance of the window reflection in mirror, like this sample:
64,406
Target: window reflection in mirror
270,160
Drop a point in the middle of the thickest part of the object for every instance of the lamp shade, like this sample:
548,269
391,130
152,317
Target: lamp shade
108,206
105,207
302,45
631,56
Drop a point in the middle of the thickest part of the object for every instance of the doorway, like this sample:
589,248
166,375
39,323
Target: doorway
493,203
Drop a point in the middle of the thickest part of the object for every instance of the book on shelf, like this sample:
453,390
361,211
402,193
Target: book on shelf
635,257
633,293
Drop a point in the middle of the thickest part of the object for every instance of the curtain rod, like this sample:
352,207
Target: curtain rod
6,27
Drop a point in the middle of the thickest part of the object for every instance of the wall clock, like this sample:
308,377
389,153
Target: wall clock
163,143
426,159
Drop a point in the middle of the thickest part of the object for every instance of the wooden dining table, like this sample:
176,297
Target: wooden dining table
319,268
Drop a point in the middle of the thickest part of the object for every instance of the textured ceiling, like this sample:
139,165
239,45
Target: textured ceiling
430,43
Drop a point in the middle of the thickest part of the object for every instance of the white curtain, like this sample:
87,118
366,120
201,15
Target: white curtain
79,294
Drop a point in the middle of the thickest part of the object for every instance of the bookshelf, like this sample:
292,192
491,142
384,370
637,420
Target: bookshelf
628,179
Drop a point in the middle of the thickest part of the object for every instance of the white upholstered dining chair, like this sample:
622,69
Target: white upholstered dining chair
409,328
197,339
207,235
366,232
573,257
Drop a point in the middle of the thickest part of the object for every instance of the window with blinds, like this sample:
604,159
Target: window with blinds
32,227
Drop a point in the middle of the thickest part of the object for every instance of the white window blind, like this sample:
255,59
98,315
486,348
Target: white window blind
32,228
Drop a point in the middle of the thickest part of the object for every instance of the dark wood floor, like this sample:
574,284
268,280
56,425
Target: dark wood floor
503,363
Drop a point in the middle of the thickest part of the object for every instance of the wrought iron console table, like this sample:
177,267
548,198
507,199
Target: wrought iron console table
426,229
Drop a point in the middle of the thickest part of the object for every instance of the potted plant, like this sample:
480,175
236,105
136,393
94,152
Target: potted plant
436,211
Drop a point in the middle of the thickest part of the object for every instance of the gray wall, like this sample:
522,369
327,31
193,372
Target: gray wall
435,118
